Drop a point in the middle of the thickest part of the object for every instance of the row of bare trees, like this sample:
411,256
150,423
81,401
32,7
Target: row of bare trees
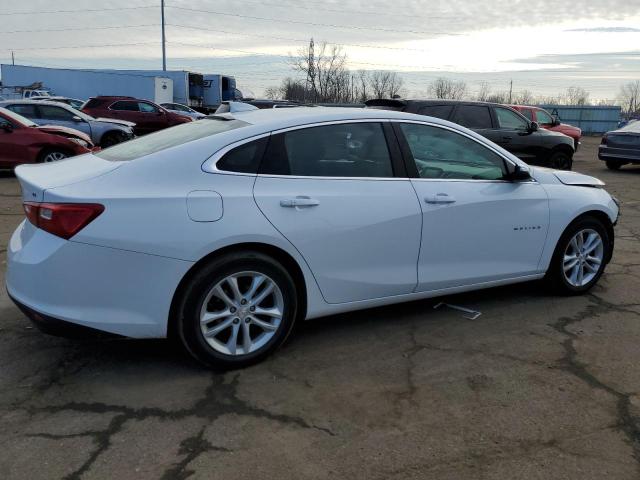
328,80
324,77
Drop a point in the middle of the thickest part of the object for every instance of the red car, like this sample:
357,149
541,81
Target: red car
22,141
147,116
549,122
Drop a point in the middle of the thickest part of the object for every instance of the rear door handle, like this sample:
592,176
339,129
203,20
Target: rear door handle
299,201
507,139
439,198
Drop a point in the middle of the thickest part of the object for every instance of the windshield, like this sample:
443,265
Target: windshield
170,137
17,118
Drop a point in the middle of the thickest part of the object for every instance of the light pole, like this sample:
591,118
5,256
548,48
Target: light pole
164,41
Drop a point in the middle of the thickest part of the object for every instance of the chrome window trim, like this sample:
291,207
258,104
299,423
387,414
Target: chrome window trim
210,165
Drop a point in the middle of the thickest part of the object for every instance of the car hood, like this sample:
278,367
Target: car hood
65,132
578,179
117,122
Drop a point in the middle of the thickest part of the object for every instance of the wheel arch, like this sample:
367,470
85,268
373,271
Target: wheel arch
600,215
277,253
562,148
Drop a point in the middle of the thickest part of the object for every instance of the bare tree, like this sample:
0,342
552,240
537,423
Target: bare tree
447,89
385,84
325,70
524,97
629,97
273,93
498,97
575,96
483,92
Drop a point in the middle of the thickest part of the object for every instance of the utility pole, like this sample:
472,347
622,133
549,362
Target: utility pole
511,92
164,40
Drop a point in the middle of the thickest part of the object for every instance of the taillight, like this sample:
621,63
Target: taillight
604,140
62,219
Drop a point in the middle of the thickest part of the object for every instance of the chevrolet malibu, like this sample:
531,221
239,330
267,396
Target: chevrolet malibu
225,232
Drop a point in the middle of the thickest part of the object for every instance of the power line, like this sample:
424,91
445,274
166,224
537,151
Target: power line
343,11
40,12
359,45
316,24
85,46
73,29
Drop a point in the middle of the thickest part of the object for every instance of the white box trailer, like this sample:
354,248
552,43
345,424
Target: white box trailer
82,84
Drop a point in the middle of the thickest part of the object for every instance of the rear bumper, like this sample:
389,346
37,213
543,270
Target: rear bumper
116,291
57,327
624,155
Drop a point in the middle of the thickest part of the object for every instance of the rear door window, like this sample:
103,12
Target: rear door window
341,150
437,111
473,116
49,112
25,110
126,106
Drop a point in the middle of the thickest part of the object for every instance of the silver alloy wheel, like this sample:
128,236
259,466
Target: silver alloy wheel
583,257
241,313
54,157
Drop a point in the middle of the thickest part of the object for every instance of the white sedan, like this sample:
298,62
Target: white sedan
226,231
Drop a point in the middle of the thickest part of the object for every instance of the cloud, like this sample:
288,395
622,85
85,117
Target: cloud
606,30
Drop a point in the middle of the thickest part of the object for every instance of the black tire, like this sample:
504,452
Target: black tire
555,277
42,158
201,283
110,139
614,165
561,161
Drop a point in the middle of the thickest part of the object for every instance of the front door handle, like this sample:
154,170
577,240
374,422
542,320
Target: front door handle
440,198
507,139
299,201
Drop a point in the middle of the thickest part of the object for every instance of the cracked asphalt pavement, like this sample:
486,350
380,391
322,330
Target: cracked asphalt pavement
538,387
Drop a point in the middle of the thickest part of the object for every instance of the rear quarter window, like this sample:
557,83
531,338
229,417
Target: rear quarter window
171,137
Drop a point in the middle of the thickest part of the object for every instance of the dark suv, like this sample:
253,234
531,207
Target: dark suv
499,123
147,116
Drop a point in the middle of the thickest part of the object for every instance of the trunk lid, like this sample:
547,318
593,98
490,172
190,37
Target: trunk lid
35,179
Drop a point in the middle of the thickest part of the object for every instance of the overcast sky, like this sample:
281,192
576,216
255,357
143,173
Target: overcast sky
545,46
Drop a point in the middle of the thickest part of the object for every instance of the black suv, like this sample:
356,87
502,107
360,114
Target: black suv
499,123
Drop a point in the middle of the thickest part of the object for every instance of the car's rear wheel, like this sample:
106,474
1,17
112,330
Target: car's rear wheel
237,309
560,161
580,257
614,165
52,155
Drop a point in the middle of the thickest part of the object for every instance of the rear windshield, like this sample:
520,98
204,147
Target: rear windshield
168,138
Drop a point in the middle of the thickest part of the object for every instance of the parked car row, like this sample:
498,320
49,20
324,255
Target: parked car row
101,121
499,123
23,141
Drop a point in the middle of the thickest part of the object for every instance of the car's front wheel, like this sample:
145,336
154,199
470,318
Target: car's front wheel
561,161
580,257
237,309
52,155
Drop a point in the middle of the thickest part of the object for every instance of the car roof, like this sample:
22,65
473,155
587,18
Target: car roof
35,102
279,118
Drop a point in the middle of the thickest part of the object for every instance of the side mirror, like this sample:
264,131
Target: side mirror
520,174
556,121
76,118
533,127
7,127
